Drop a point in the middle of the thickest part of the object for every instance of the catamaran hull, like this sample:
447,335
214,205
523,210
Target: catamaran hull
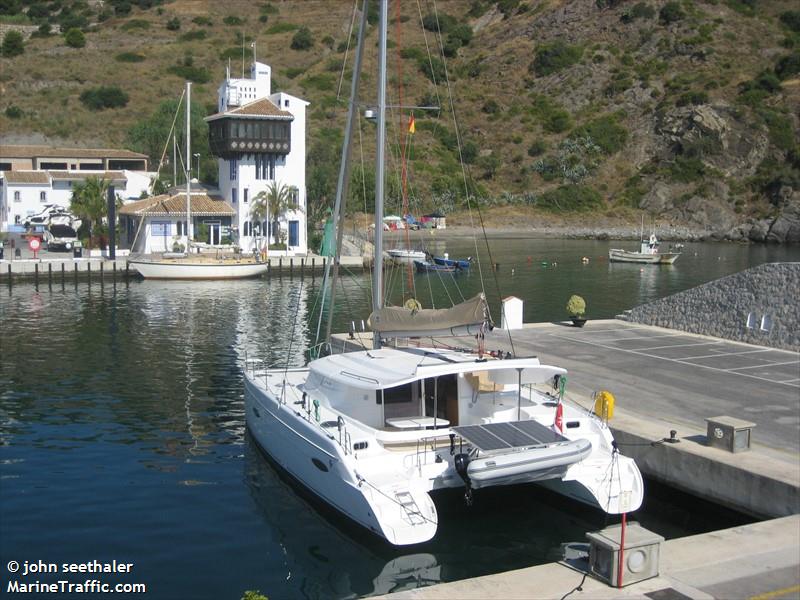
318,464
667,258
197,271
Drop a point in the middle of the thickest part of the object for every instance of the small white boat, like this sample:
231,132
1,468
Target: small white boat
189,268
407,257
648,254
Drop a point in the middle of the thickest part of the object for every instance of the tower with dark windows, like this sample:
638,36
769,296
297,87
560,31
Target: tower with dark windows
260,140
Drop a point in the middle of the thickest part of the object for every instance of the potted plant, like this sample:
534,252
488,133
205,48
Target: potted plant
576,307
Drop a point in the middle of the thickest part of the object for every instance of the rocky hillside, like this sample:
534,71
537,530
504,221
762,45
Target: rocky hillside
686,109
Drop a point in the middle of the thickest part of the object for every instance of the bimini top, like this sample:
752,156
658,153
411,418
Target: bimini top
390,367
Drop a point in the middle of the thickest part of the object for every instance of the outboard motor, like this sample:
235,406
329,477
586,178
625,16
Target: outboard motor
461,462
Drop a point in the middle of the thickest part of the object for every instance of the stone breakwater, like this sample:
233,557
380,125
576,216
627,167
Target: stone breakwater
757,306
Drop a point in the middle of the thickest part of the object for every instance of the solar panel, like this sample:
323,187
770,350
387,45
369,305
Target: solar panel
515,434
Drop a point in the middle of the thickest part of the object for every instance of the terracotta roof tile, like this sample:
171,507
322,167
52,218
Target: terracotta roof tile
11,151
39,177
258,108
77,175
203,205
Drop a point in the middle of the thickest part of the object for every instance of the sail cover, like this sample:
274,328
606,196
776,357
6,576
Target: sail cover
462,319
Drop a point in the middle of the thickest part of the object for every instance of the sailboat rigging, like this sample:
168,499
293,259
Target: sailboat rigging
374,433
186,264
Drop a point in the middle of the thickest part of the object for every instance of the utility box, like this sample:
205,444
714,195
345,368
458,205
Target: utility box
639,560
512,313
729,434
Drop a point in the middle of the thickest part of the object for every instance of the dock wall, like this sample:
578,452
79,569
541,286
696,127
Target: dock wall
756,306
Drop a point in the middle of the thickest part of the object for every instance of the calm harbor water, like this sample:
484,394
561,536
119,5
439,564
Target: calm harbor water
122,431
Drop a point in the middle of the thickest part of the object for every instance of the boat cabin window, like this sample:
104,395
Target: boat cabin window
400,401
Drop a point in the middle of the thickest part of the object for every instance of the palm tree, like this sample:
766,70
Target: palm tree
88,202
277,200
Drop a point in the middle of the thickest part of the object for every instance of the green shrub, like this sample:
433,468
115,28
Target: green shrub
433,69
692,97
135,24
554,57
74,38
13,44
604,131
282,28
491,107
302,40
744,7
293,72
268,9
687,169
103,97
174,24
781,133
790,18
537,148
671,12
13,111
571,198
788,65
129,57
413,53
640,10
233,53
187,70
232,20
322,81
203,21
443,23
191,36
576,305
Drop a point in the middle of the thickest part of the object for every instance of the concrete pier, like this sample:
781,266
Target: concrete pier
44,269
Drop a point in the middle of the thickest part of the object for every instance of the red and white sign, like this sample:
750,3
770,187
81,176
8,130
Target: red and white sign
34,244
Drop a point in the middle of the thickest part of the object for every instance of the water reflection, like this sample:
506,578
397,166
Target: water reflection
320,551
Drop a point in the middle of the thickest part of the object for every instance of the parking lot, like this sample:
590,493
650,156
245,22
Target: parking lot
675,377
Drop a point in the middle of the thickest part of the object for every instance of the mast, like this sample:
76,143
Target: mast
343,182
377,278
188,165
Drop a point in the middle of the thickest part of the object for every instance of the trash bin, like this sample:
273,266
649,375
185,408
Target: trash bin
77,250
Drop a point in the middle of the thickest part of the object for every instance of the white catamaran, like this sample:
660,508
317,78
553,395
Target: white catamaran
373,432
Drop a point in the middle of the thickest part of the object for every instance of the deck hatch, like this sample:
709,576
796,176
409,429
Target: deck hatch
515,434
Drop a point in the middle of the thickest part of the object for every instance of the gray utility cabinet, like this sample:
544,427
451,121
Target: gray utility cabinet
640,559
728,433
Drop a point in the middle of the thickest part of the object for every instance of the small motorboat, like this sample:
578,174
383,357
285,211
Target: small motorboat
406,257
450,262
648,254
424,266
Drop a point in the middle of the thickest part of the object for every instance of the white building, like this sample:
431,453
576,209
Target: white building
25,193
260,139
32,177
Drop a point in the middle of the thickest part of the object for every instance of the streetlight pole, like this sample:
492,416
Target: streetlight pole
197,156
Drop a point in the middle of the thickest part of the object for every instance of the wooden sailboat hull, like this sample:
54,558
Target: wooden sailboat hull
667,258
176,269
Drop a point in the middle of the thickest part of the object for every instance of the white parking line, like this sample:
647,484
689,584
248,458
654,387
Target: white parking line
726,354
683,362
793,362
682,345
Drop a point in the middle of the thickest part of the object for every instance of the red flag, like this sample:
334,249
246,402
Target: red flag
559,423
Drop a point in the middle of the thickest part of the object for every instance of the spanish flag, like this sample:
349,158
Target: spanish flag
411,125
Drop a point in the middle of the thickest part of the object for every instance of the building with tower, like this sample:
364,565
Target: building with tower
259,139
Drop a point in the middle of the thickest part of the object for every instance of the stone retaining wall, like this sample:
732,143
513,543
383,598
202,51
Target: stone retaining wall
757,306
